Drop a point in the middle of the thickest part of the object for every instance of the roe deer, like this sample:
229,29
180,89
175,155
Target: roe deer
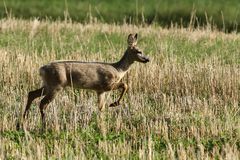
100,77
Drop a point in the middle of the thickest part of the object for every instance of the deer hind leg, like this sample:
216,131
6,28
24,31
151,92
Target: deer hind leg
44,103
122,86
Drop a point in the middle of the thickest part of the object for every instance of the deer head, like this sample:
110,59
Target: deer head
135,53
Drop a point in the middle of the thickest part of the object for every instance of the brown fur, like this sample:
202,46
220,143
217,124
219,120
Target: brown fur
100,77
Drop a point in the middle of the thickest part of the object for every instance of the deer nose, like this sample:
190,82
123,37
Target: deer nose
146,59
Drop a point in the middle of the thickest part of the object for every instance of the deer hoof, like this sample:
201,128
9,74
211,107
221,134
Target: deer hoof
114,104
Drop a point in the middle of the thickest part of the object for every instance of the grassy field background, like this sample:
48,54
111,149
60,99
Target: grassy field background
219,13
184,104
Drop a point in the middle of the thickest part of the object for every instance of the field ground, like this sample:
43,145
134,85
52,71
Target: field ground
184,104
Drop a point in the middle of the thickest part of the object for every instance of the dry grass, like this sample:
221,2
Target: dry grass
182,105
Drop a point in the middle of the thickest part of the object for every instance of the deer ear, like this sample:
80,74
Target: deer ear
130,36
136,36
135,39
130,40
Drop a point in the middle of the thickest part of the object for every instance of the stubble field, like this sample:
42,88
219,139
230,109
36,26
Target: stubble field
184,104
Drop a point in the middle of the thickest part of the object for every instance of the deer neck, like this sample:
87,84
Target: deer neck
125,62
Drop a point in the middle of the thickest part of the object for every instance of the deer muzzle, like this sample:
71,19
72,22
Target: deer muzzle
143,58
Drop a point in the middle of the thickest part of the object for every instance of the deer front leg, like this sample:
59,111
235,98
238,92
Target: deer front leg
43,105
45,102
31,96
122,86
101,102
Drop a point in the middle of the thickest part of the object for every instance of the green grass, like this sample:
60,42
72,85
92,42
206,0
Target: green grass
220,13
184,103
